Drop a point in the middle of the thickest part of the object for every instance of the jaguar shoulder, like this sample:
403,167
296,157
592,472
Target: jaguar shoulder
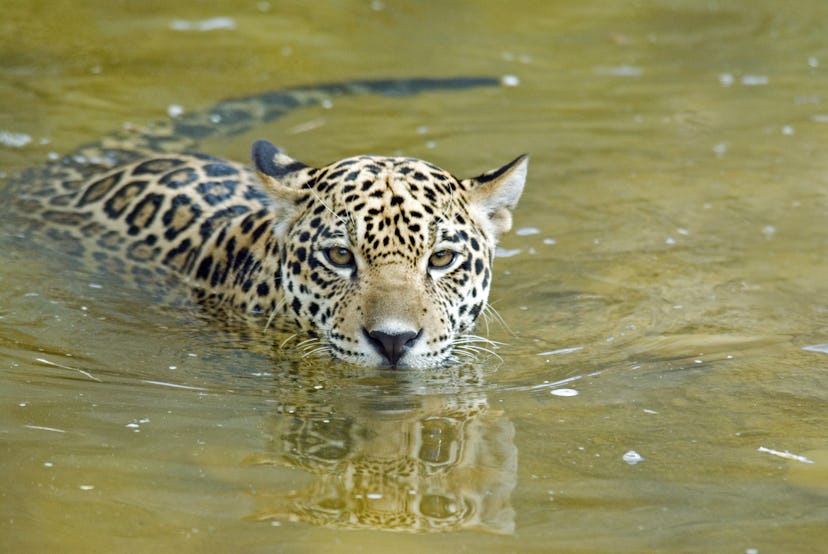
380,261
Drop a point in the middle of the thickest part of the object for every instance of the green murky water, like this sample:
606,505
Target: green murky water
665,292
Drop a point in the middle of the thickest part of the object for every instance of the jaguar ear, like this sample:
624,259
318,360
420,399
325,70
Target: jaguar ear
281,175
496,193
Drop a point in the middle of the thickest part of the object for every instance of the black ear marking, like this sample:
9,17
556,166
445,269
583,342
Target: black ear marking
265,155
497,173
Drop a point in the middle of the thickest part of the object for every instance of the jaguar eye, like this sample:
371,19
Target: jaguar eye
441,259
340,256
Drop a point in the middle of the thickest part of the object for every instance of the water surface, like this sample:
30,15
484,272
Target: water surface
664,293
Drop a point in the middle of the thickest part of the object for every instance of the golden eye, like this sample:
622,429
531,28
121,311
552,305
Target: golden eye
340,256
441,259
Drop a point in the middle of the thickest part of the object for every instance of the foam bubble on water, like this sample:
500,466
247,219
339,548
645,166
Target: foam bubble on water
43,428
307,126
212,24
525,231
632,457
755,80
15,140
726,79
510,81
563,392
568,350
620,71
507,252
785,454
823,348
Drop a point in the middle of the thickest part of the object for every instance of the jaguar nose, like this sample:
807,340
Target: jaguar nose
392,345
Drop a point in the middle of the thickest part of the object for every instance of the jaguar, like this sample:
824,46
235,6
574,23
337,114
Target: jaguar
381,261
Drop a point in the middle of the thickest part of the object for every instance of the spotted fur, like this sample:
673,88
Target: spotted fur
380,261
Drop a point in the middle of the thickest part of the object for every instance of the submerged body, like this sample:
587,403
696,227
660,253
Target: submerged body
385,261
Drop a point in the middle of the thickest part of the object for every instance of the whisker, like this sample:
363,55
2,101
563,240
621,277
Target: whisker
316,351
485,320
469,347
490,352
490,311
475,339
306,342
327,207
287,340
272,315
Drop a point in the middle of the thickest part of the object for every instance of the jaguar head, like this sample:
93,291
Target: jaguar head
387,261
